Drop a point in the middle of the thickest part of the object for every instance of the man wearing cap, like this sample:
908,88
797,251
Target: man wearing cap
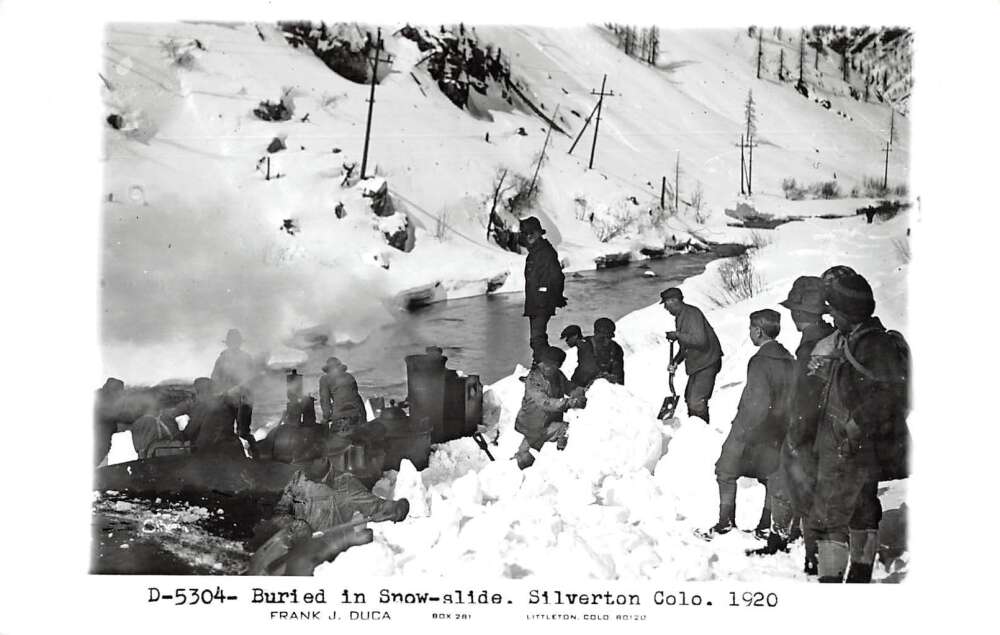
547,395
751,448
599,356
866,393
700,351
233,371
543,283
789,489
339,399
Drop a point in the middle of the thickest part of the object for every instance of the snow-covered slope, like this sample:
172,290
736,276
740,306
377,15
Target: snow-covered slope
196,239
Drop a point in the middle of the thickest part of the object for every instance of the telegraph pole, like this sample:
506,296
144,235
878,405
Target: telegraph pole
541,157
597,122
885,175
892,125
743,168
371,100
677,183
583,129
750,145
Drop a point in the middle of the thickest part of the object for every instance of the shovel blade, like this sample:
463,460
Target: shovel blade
667,408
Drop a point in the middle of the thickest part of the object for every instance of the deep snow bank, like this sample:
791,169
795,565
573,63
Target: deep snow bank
624,498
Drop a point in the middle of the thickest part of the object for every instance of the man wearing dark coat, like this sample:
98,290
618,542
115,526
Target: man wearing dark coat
233,371
699,350
107,415
339,399
210,425
866,393
751,448
547,395
789,489
543,284
301,408
600,356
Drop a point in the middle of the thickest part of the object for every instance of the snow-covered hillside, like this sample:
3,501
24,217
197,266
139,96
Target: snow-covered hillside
197,239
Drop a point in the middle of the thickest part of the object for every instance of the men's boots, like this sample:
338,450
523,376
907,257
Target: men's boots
764,524
833,557
864,545
775,543
727,512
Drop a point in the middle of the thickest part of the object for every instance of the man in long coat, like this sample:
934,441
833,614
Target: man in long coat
752,446
543,284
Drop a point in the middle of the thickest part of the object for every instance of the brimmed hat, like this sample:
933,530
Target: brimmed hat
234,335
604,325
552,355
531,224
672,292
852,296
807,295
572,329
332,362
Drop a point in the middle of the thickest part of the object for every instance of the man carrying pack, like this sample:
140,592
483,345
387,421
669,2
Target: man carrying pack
752,446
861,437
699,350
543,284
600,357
341,403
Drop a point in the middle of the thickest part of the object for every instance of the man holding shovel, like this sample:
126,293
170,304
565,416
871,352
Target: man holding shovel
699,350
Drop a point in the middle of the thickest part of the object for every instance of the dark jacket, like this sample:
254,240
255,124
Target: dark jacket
232,368
544,402
808,390
301,412
543,280
700,347
211,425
339,397
863,398
595,360
751,449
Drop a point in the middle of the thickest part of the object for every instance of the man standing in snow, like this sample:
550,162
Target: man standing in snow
210,426
752,446
342,405
543,284
547,395
863,409
699,350
233,372
789,489
300,409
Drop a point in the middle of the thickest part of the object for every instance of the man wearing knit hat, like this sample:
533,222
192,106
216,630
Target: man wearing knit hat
699,350
864,404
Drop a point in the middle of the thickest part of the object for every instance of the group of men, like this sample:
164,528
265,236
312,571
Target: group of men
221,409
821,428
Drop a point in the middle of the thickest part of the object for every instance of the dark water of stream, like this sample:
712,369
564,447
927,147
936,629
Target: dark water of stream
488,335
